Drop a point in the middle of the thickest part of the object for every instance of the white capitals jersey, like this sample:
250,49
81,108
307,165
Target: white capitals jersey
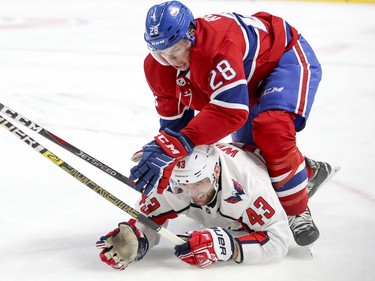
246,204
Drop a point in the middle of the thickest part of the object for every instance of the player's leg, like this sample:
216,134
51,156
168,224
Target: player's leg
286,99
275,136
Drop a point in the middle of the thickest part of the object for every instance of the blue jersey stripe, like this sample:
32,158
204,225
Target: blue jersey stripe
178,123
235,95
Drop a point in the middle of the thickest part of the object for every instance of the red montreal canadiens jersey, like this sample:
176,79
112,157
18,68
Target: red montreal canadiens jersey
231,55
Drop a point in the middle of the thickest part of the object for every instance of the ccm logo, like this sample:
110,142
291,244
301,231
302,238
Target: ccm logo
165,141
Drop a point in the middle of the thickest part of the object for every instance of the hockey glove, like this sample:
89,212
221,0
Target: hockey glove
206,247
158,160
122,246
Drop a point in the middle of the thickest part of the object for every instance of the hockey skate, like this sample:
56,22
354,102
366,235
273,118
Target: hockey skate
303,228
322,172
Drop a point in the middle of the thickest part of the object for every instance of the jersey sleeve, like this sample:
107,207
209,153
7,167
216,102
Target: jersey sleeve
266,224
226,85
172,113
159,208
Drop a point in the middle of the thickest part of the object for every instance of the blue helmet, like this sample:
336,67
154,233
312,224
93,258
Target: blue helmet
166,24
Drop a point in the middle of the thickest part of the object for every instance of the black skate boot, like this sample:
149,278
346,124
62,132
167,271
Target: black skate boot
322,171
303,228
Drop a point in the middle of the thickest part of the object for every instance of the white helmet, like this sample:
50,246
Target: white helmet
196,166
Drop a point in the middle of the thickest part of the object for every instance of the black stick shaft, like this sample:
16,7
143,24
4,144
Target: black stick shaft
64,144
88,182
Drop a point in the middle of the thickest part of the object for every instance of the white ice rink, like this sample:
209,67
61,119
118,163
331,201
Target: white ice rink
75,67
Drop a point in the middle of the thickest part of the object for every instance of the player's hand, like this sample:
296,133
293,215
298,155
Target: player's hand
206,247
123,245
158,160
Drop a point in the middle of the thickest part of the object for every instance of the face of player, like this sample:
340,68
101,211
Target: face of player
178,55
201,192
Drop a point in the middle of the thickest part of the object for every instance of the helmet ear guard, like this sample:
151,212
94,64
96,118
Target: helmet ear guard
167,23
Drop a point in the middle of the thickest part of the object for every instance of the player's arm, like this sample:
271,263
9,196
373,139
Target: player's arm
264,239
228,109
158,209
172,113
161,154
266,224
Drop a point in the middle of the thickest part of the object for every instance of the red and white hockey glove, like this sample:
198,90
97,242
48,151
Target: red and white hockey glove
158,160
206,247
123,245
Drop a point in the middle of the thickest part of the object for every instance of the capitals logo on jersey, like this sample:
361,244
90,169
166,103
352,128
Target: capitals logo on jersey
238,191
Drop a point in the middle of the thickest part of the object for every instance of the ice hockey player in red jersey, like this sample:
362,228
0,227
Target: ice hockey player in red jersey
226,190
252,77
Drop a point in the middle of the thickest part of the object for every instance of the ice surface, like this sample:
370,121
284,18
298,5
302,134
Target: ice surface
75,67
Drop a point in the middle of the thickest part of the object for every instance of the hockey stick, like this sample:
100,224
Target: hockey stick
89,183
64,144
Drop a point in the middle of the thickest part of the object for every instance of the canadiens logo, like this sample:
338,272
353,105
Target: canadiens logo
181,81
236,194
174,11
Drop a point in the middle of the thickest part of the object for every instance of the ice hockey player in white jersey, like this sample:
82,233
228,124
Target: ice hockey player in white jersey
225,189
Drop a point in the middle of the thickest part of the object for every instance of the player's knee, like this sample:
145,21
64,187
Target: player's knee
274,132
275,136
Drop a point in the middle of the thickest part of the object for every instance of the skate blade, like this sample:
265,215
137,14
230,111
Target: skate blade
335,170
301,252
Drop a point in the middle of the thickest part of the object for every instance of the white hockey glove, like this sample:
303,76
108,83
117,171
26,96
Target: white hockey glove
123,245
